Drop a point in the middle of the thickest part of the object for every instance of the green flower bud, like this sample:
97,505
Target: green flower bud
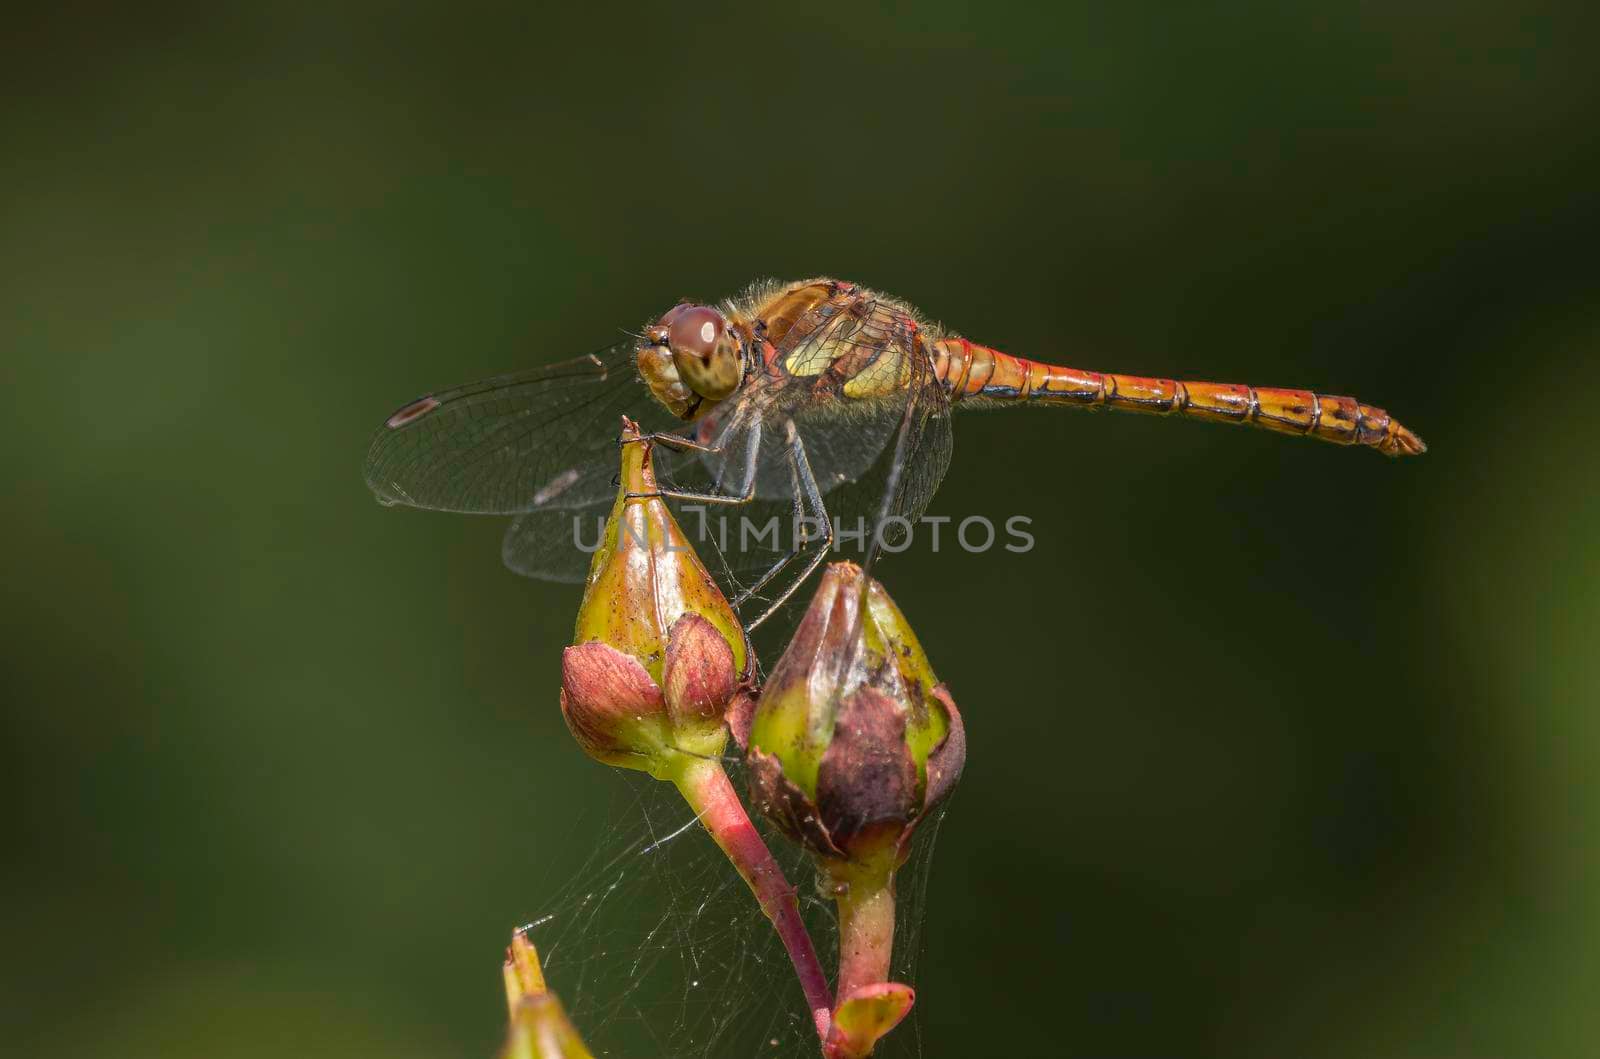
657,660
540,1028
854,739
658,653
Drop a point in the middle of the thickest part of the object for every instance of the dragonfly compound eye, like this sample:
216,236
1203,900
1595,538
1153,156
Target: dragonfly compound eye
706,354
694,329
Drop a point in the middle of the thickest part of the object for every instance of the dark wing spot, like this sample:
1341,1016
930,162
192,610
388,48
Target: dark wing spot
412,412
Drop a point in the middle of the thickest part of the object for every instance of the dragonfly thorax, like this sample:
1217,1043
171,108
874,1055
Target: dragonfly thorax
691,359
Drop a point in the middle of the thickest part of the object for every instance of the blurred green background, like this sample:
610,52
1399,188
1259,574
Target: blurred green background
1276,748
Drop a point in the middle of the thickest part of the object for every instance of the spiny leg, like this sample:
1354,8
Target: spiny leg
672,441
681,443
751,456
796,513
801,467
667,440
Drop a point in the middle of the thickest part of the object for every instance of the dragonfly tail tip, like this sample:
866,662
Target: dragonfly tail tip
1407,443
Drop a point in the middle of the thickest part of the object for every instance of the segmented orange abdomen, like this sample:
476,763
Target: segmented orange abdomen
969,370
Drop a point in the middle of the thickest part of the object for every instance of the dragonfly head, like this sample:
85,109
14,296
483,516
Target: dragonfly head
691,358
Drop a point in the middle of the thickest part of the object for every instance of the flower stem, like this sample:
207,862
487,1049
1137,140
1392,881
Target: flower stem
865,896
705,787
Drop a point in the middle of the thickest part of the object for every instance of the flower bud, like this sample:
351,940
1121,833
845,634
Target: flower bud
854,739
658,653
540,1028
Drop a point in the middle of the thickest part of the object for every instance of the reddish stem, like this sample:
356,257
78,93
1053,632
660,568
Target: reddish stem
706,788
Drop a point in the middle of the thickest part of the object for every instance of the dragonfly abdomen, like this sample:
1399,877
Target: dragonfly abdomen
969,371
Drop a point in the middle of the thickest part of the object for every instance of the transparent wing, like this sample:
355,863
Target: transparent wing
556,544
929,443
736,542
740,543
539,439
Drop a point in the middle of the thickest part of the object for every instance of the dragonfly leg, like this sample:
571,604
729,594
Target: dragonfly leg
751,454
797,498
800,467
730,499
674,441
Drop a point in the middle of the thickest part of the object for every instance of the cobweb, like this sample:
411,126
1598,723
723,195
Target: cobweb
657,948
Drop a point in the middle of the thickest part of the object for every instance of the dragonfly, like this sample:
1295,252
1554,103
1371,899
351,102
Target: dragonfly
819,399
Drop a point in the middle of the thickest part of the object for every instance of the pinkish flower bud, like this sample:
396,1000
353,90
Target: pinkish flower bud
699,677
615,711
658,652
